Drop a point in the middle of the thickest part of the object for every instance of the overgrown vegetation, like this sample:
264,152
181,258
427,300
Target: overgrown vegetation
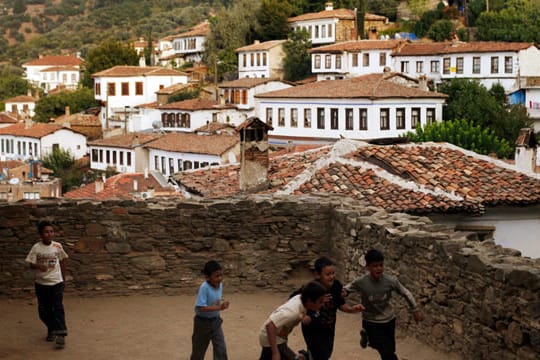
52,106
62,162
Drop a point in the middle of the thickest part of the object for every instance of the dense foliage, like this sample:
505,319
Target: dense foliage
62,162
297,62
52,106
11,82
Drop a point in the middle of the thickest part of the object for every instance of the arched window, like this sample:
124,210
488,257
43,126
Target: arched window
188,120
171,120
188,165
178,120
164,119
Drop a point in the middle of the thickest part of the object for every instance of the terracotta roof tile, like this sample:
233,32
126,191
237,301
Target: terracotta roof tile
359,45
21,99
266,45
193,143
441,48
367,86
125,70
246,83
214,127
6,118
325,14
61,68
37,130
190,104
201,29
128,141
55,60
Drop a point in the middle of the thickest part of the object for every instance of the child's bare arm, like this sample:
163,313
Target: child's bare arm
271,334
351,309
222,306
39,267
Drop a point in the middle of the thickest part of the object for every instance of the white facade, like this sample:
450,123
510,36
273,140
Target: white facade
261,60
103,157
241,93
50,72
21,107
66,139
190,48
170,162
331,119
189,121
55,77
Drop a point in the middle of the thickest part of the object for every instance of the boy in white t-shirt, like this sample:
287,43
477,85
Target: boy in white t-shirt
273,334
47,258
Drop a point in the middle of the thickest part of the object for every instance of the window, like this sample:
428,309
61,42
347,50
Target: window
400,118
111,89
269,116
294,117
349,119
327,61
107,157
365,59
382,59
430,115
94,155
64,78
73,78
244,96
476,65
323,31
138,88
252,59
281,117
98,89
128,159
434,67
171,166
121,157
330,27
494,64
404,66
459,65
163,164
114,157
320,118
508,64
338,61
415,117
179,164
419,67
258,59
31,195
244,60
316,31
355,59
307,118
363,119
385,119
100,156
317,64
125,89
334,119
264,59
446,66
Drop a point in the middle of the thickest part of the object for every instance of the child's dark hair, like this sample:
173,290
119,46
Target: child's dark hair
210,267
42,224
321,263
312,291
373,256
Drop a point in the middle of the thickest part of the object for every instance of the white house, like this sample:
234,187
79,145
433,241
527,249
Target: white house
122,88
184,47
54,71
29,140
261,60
366,107
352,58
189,115
125,153
176,152
328,26
7,119
21,106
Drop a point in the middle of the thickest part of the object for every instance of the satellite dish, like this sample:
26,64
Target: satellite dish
156,124
14,181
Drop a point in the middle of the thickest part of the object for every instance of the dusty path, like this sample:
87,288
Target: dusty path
159,327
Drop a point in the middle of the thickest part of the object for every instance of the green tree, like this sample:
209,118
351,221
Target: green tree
387,8
297,62
106,55
62,162
361,12
19,7
418,7
52,106
441,30
272,18
465,134
11,83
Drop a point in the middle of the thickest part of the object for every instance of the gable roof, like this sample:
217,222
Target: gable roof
258,46
344,14
36,130
122,186
358,45
55,60
413,178
441,48
194,144
370,86
21,99
190,105
128,141
248,83
6,118
60,68
126,70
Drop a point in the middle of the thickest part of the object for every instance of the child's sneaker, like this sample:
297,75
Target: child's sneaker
60,341
50,336
363,338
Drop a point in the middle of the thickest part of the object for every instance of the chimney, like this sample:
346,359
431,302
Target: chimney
526,149
256,42
67,111
100,184
422,83
28,123
29,92
328,6
254,159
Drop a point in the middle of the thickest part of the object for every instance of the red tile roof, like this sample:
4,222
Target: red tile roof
368,86
345,14
6,118
127,141
122,186
441,48
21,99
125,70
55,60
37,130
358,45
413,178
214,127
194,144
247,83
190,105
61,68
259,46
201,29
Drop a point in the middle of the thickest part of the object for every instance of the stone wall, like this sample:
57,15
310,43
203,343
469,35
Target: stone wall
479,299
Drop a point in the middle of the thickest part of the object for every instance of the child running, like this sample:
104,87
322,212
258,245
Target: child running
319,328
275,330
378,319
47,257
207,322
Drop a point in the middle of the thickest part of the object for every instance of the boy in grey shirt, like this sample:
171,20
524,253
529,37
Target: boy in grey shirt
378,319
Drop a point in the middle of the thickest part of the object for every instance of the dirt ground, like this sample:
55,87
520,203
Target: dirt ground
159,327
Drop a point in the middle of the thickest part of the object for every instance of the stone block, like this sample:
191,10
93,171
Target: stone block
220,245
523,276
148,262
118,247
89,245
95,229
